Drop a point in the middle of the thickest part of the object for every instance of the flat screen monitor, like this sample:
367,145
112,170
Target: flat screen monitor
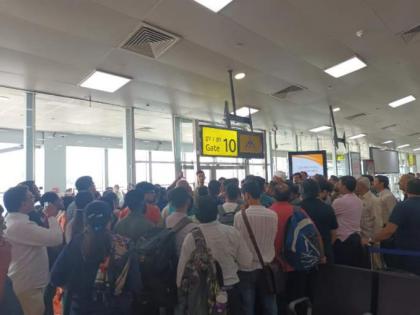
386,161
311,162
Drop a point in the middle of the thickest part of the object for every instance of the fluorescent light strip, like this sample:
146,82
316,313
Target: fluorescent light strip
320,128
403,146
336,109
402,101
245,111
214,5
351,65
387,142
361,135
104,81
416,149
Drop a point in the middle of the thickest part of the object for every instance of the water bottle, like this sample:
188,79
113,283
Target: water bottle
221,302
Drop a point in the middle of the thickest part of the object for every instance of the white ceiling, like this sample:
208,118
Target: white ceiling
52,45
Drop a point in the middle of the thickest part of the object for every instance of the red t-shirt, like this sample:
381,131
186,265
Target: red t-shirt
284,211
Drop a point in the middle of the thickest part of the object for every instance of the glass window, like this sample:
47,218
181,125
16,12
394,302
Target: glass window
12,122
12,158
82,161
162,156
116,168
257,170
142,172
163,173
142,155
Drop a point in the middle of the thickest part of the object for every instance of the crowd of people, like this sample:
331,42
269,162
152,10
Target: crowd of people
228,247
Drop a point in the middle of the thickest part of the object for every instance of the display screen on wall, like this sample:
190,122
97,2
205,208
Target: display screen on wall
312,162
230,143
386,161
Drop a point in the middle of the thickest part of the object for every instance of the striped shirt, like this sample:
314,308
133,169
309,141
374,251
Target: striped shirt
263,222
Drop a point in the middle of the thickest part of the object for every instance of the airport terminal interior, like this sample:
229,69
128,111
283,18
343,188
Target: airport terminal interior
261,99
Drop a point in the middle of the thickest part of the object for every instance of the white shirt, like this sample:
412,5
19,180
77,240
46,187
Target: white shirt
29,266
371,221
173,220
226,246
263,222
388,202
230,206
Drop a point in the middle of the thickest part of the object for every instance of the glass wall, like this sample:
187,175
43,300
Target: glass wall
12,154
154,155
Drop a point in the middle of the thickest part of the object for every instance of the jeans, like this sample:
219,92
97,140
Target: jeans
250,288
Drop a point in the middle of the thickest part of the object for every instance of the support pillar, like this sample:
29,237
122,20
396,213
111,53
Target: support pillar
29,136
129,145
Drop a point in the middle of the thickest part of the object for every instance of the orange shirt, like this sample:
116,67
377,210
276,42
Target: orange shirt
284,211
152,214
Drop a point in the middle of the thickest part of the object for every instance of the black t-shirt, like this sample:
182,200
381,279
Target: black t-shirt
406,215
324,218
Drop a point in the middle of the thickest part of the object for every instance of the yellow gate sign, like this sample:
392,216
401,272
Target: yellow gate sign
219,142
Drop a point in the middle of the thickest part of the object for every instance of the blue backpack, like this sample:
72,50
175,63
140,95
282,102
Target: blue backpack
302,248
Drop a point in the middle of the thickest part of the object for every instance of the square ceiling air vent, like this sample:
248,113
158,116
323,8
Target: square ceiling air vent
282,94
352,117
150,41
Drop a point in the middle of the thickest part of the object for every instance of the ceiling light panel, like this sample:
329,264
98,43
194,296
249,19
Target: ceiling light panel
320,128
4,98
416,149
104,81
336,109
214,5
346,67
403,146
387,142
240,76
245,111
402,101
361,135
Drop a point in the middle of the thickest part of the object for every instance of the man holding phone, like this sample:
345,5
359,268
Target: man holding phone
28,268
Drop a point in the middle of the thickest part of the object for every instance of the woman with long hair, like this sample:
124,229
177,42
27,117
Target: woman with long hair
99,273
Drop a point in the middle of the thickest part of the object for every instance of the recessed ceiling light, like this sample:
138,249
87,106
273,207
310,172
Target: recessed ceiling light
245,111
346,67
214,5
4,98
403,146
416,149
360,135
240,76
387,142
103,81
402,101
336,109
320,128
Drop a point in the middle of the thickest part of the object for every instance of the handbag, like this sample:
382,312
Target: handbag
272,279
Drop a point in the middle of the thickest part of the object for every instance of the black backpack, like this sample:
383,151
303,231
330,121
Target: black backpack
227,217
158,264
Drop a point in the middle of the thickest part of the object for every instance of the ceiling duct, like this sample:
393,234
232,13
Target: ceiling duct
414,134
389,127
150,41
353,117
411,35
282,94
